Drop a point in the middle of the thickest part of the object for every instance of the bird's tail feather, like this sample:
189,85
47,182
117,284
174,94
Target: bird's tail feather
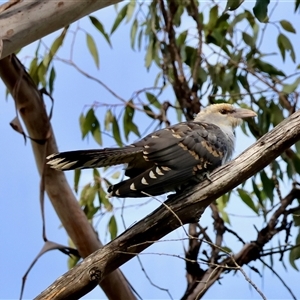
84,159
154,181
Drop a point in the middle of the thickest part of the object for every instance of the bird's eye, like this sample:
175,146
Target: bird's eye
223,111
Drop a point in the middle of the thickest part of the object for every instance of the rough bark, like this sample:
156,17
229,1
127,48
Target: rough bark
30,105
23,22
180,209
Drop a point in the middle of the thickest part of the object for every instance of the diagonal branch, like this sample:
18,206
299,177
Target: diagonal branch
24,22
30,105
188,207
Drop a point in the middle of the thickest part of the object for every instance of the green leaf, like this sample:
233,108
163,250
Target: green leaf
84,194
41,72
148,111
157,78
140,36
128,124
102,196
94,126
91,194
260,10
268,185
202,76
153,100
133,32
286,25
284,45
112,226
296,162
93,49
130,10
116,132
247,200
177,17
276,114
240,17
248,39
52,77
54,48
77,174
72,261
290,88
90,119
181,38
222,203
100,27
226,250
267,68
295,253
85,128
96,132
121,15
89,123
233,4
225,217
213,17
149,55
297,145
108,120
290,170
257,193
33,70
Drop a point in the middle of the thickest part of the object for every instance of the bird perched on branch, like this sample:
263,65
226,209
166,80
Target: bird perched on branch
168,159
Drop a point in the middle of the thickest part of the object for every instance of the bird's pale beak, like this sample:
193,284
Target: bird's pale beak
243,113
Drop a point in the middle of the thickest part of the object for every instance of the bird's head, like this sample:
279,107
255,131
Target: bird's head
224,114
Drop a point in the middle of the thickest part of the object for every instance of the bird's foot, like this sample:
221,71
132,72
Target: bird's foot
206,176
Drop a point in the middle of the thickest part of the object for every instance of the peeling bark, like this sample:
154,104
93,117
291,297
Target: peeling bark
23,22
30,105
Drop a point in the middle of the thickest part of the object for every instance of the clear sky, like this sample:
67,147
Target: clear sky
20,232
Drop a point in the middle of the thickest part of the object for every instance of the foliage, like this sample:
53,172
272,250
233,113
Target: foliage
220,56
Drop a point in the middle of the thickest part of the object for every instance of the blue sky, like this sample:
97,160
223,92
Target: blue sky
20,234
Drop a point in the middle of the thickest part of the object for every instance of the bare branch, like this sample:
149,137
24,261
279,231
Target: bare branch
250,251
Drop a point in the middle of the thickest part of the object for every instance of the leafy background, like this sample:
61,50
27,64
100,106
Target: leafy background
85,109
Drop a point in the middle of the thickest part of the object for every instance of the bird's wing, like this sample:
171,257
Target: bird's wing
179,154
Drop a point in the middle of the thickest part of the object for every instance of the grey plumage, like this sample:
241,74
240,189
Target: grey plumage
168,159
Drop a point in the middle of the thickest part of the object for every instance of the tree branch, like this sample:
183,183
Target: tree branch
30,105
24,22
250,251
186,207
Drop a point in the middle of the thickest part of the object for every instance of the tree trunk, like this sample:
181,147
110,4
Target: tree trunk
30,106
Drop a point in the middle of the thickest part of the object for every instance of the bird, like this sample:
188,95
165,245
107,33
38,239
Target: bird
168,159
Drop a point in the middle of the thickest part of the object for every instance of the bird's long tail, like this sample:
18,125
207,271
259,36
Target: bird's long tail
84,159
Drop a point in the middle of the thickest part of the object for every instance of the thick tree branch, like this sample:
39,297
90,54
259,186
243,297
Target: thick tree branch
172,56
186,207
24,22
31,108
